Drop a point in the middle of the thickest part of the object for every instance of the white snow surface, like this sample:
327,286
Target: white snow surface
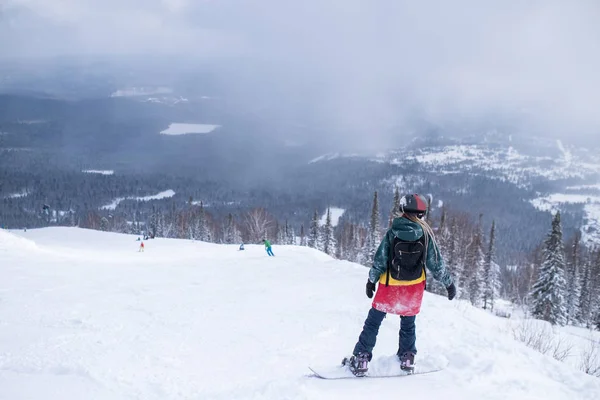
503,163
184,129
336,214
141,91
23,193
566,154
585,187
83,315
590,228
98,171
158,196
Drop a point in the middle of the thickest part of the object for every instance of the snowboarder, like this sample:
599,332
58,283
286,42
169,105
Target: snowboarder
141,247
268,248
407,250
241,246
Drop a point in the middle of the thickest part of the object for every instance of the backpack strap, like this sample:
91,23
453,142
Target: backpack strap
390,258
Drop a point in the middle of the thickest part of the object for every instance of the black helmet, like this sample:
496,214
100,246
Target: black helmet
414,204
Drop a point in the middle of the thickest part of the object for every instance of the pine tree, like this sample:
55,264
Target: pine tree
490,273
329,242
153,224
585,296
395,207
592,293
345,241
548,292
104,224
474,266
201,227
451,252
313,234
443,229
232,233
596,290
572,276
280,234
429,209
302,236
290,236
374,234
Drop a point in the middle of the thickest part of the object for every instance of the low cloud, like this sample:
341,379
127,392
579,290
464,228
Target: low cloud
364,69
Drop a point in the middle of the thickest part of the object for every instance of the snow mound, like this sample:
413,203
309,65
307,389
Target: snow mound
95,318
13,243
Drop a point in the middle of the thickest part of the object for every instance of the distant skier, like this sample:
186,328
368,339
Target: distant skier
268,248
399,266
241,246
141,247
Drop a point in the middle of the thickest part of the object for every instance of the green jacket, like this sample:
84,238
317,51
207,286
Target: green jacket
267,244
405,229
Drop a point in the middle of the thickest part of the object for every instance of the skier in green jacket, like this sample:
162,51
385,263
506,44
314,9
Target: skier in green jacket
268,248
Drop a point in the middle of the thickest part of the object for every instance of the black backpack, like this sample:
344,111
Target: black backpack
406,261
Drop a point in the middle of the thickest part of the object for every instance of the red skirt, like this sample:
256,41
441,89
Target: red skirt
399,300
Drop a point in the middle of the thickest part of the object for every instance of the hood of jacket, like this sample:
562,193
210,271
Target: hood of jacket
405,229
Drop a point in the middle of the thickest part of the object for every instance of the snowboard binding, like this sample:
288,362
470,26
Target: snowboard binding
407,362
358,364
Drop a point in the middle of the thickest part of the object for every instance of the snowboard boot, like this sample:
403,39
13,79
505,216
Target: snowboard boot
407,362
358,364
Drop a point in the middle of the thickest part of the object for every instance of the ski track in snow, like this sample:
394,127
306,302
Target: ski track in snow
83,315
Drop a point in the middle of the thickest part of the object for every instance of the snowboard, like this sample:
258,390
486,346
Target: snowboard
344,373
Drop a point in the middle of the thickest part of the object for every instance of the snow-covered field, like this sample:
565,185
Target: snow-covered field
141,91
24,193
98,171
184,129
84,315
591,208
158,196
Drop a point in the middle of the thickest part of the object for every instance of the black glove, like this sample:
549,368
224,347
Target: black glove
370,289
451,291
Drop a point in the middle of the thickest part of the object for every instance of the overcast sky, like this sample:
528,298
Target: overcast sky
385,58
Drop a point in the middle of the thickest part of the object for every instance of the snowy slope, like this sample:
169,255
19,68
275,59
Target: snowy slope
83,315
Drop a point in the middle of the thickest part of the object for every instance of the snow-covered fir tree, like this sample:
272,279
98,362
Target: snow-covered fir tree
314,237
329,242
491,273
280,237
232,233
585,297
443,231
153,223
202,229
373,235
395,211
290,235
473,271
548,301
104,224
346,241
572,277
449,248
354,244
590,291
302,236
